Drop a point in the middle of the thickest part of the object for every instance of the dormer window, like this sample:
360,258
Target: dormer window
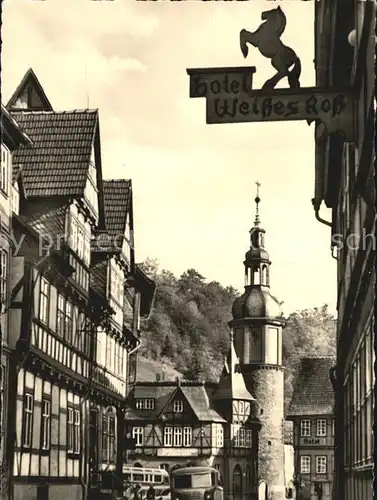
178,406
145,404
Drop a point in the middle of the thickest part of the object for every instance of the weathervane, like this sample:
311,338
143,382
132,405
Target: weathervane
267,39
257,201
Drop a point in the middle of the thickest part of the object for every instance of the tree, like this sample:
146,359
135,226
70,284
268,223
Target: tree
189,327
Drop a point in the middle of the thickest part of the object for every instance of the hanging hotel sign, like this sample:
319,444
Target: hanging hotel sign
230,97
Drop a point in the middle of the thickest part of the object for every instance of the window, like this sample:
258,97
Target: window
44,301
15,199
76,433
108,438
149,404
28,420
64,324
3,278
178,406
235,434
46,424
70,430
333,427
60,316
105,439
138,435
168,436
305,464
321,465
73,430
177,436
305,428
220,436
242,437
91,194
187,436
145,404
321,427
68,327
5,168
112,439
116,283
79,235
249,438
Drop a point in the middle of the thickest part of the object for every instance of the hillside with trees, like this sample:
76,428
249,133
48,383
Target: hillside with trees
187,329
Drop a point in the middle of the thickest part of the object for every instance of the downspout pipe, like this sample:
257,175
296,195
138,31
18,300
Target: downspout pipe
316,205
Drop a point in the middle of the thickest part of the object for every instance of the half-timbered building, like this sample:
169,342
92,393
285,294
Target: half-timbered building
64,398
119,287
176,423
11,138
345,44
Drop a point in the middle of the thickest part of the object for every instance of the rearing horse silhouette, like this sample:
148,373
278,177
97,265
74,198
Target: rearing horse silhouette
267,39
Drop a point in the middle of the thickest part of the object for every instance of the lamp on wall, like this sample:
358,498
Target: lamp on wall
352,38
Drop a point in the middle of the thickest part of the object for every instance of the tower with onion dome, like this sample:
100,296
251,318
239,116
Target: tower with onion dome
257,326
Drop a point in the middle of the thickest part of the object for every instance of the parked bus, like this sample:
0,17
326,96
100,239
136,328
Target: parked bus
146,477
196,483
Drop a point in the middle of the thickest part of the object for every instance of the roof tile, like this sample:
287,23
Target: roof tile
57,163
313,392
117,197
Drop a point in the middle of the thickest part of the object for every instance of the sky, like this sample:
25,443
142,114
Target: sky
193,183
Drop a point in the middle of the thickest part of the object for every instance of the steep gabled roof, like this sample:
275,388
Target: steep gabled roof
313,392
232,384
163,392
117,200
28,86
58,162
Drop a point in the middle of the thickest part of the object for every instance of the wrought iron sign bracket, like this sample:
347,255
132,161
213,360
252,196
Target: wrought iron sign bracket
230,98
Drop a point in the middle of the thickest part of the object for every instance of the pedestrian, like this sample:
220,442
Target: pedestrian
151,493
137,492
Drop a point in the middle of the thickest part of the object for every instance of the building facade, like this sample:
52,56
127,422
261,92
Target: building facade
312,412
345,49
77,296
178,423
11,138
257,325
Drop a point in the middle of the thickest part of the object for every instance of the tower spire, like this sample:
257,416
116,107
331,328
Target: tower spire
257,201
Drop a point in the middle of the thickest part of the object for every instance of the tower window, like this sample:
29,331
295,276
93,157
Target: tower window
256,276
264,275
